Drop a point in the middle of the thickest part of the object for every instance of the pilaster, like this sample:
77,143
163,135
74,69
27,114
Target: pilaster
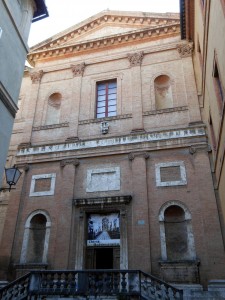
78,71
68,168
140,244
34,93
185,52
135,60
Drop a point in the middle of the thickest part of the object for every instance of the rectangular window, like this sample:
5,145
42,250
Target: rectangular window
106,99
218,86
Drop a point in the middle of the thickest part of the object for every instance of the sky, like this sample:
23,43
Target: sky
66,13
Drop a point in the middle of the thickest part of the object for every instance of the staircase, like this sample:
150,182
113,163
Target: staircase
89,284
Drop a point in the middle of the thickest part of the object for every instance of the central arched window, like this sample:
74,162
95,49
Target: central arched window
177,240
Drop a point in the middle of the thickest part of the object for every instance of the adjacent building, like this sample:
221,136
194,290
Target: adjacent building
15,21
205,26
115,155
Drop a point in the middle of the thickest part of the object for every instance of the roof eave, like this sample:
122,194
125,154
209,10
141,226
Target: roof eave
41,11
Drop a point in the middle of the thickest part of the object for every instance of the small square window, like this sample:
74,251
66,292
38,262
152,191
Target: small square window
170,174
42,185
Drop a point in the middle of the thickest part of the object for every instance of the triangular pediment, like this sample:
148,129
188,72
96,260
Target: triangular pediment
108,25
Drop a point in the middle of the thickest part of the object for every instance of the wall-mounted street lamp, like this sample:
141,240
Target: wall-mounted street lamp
12,175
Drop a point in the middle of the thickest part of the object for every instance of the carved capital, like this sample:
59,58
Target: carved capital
185,50
72,161
78,70
24,167
135,59
24,145
36,76
132,156
199,148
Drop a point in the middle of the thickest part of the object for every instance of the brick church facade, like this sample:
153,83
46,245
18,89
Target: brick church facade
114,153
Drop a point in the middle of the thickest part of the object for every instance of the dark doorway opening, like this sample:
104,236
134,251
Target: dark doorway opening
104,258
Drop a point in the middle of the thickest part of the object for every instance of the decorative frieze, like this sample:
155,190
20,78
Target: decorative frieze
78,70
185,50
36,76
135,59
167,135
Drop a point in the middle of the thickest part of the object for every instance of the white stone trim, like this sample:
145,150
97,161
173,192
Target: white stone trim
115,141
182,181
26,235
42,193
104,183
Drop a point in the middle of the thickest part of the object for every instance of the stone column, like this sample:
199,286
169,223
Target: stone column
136,85
31,111
65,212
78,71
185,51
140,245
8,248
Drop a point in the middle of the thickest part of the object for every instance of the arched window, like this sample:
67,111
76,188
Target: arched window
163,92
177,240
53,109
36,238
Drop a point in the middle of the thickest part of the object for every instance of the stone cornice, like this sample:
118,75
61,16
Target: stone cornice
102,201
143,35
119,117
165,110
93,60
51,126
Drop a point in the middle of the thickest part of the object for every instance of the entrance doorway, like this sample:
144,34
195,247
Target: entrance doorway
103,258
